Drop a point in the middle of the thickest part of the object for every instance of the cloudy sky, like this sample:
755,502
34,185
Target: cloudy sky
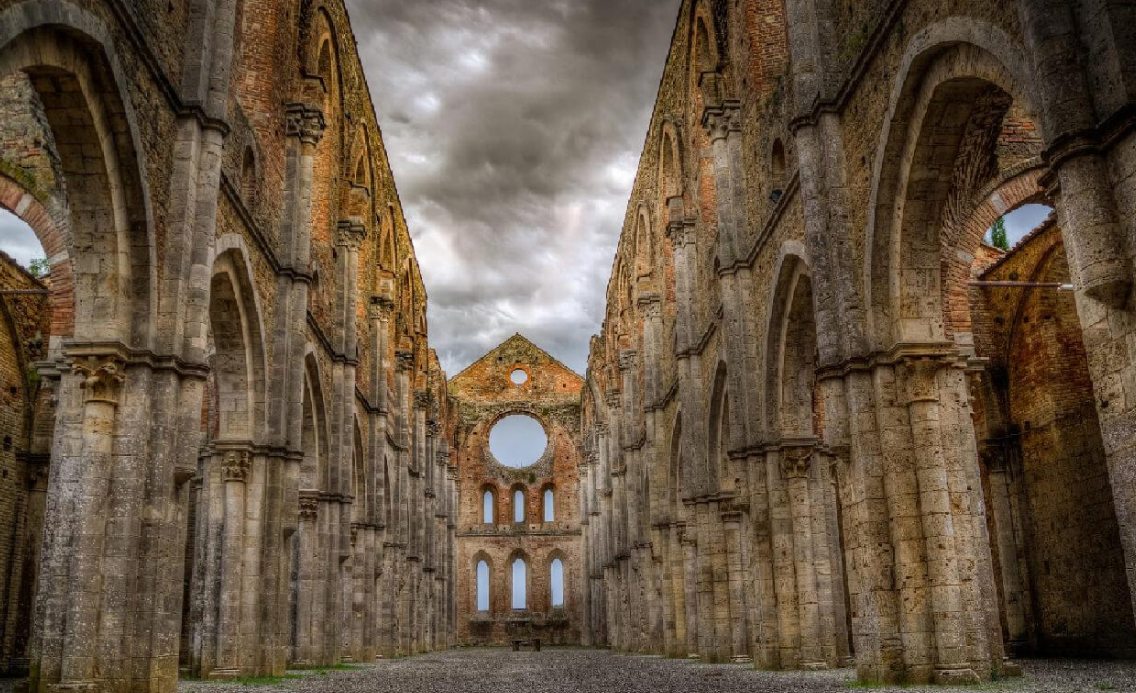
514,129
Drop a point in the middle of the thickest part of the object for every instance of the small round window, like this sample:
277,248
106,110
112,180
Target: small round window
519,376
517,441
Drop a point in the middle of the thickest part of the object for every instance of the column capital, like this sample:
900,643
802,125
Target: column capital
920,372
422,399
309,504
380,307
722,120
305,122
681,233
650,304
405,360
235,467
102,375
796,458
628,359
350,233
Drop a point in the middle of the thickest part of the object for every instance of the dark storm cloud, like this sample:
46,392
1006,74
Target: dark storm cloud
514,129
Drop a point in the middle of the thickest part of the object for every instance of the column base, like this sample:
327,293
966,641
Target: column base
694,655
1011,668
813,666
741,659
955,677
225,673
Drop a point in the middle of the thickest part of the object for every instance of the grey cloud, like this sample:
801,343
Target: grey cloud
514,128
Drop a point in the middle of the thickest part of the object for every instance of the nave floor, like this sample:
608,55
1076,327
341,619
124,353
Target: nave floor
563,670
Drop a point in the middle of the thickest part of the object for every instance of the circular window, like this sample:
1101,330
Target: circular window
519,376
517,441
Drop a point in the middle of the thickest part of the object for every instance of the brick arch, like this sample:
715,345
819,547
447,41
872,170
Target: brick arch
670,176
53,238
931,107
1013,190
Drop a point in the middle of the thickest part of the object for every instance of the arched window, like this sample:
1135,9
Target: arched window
556,573
488,506
520,591
248,176
549,505
482,586
777,171
518,506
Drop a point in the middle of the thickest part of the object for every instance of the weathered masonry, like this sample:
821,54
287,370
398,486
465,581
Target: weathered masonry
824,423
221,416
519,540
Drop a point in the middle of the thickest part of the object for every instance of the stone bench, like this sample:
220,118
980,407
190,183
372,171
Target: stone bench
518,644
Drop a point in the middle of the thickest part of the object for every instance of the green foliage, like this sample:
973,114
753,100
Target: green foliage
998,237
39,268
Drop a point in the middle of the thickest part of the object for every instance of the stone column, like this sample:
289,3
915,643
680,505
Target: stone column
1014,593
101,379
234,474
937,521
739,618
795,462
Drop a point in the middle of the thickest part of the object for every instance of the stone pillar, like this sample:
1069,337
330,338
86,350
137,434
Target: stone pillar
795,462
305,647
1009,545
234,474
739,618
938,523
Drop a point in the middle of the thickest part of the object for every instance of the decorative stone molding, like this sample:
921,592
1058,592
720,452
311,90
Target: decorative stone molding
305,122
404,360
102,377
422,399
613,397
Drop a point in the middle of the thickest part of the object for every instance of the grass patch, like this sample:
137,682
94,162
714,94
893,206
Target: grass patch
1105,686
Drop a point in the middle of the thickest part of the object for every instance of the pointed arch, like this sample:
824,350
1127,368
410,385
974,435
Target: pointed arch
720,435
314,470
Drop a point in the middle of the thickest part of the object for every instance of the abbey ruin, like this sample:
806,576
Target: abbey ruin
825,423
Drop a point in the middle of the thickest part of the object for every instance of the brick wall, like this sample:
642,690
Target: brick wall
479,397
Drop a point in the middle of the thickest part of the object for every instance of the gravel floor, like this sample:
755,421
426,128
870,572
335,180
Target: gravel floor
599,671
